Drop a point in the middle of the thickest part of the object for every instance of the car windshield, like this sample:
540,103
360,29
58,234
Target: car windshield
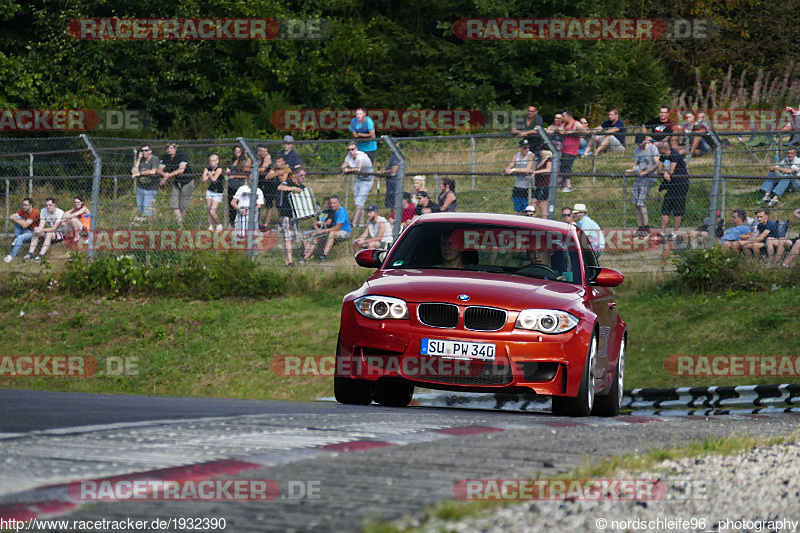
505,250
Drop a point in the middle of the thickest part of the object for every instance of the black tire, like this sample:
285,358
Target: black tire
350,391
393,392
582,404
611,403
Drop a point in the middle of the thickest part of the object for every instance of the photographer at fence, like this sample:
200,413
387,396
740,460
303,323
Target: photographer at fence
25,220
216,186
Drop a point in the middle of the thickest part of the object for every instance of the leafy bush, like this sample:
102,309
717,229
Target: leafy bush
717,270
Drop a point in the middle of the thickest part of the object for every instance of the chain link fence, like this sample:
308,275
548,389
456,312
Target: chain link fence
726,172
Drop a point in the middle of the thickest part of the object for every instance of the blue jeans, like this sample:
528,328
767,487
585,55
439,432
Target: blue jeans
21,236
362,188
145,200
780,188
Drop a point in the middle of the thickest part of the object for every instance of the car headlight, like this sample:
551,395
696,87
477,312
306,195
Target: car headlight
382,307
546,320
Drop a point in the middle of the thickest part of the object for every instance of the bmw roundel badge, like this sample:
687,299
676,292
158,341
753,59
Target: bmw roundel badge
463,297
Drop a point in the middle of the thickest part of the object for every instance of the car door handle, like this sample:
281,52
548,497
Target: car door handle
611,305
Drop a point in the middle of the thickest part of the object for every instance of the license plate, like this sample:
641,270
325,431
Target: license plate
458,349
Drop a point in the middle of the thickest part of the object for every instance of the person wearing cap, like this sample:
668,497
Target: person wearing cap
530,211
521,166
363,127
590,228
541,180
291,157
645,170
377,234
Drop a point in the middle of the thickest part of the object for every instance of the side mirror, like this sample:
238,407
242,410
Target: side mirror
606,277
370,258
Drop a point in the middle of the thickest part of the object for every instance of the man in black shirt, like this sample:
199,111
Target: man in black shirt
175,165
661,126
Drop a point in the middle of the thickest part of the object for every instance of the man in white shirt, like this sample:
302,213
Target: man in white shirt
358,163
781,176
50,217
378,233
241,202
590,228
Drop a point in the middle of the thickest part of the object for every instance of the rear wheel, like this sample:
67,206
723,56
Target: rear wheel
393,392
611,404
351,391
582,404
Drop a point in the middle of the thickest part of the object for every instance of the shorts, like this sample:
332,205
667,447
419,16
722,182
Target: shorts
216,196
270,189
519,197
567,160
675,199
181,197
641,190
361,189
614,145
342,235
289,233
541,193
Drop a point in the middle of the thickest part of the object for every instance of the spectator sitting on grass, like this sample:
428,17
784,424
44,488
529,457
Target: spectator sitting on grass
408,211
25,220
765,231
340,229
313,237
377,234
614,138
47,229
736,235
76,223
781,176
418,182
782,244
424,206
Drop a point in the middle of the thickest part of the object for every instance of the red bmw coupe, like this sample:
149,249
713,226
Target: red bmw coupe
484,303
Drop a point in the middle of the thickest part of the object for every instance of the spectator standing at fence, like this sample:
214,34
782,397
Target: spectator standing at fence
363,127
291,183
340,229
291,157
392,167
738,233
521,166
241,203
590,228
48,229
525,126
614,135
268,186
377,234
584,142
76,223
25,220
541,182
175,166
447,197
570,145
360,165
216,186
645,170
145,173
237,176
661,127
676,179
780,176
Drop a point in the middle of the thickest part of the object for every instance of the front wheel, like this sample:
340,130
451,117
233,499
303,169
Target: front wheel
393,392
582,404
611,404
351,391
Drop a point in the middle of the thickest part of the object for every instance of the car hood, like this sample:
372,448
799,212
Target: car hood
489,289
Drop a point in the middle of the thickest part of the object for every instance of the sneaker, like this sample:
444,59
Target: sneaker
773,202
219,227
764,200
289,265
566,189
211,228
671,236
302,261
587,154
37,259
322,258
27,257
8,259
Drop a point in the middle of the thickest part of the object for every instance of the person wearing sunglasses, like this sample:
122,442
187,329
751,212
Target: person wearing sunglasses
359,164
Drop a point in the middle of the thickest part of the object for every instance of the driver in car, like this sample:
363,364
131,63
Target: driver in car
542,262
451,256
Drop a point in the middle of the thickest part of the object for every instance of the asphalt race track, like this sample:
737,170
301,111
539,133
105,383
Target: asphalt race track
335,466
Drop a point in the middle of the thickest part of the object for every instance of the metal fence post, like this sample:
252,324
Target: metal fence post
553,196
472,139
252,218
401,184
715,187
98,170
8,203
30,173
